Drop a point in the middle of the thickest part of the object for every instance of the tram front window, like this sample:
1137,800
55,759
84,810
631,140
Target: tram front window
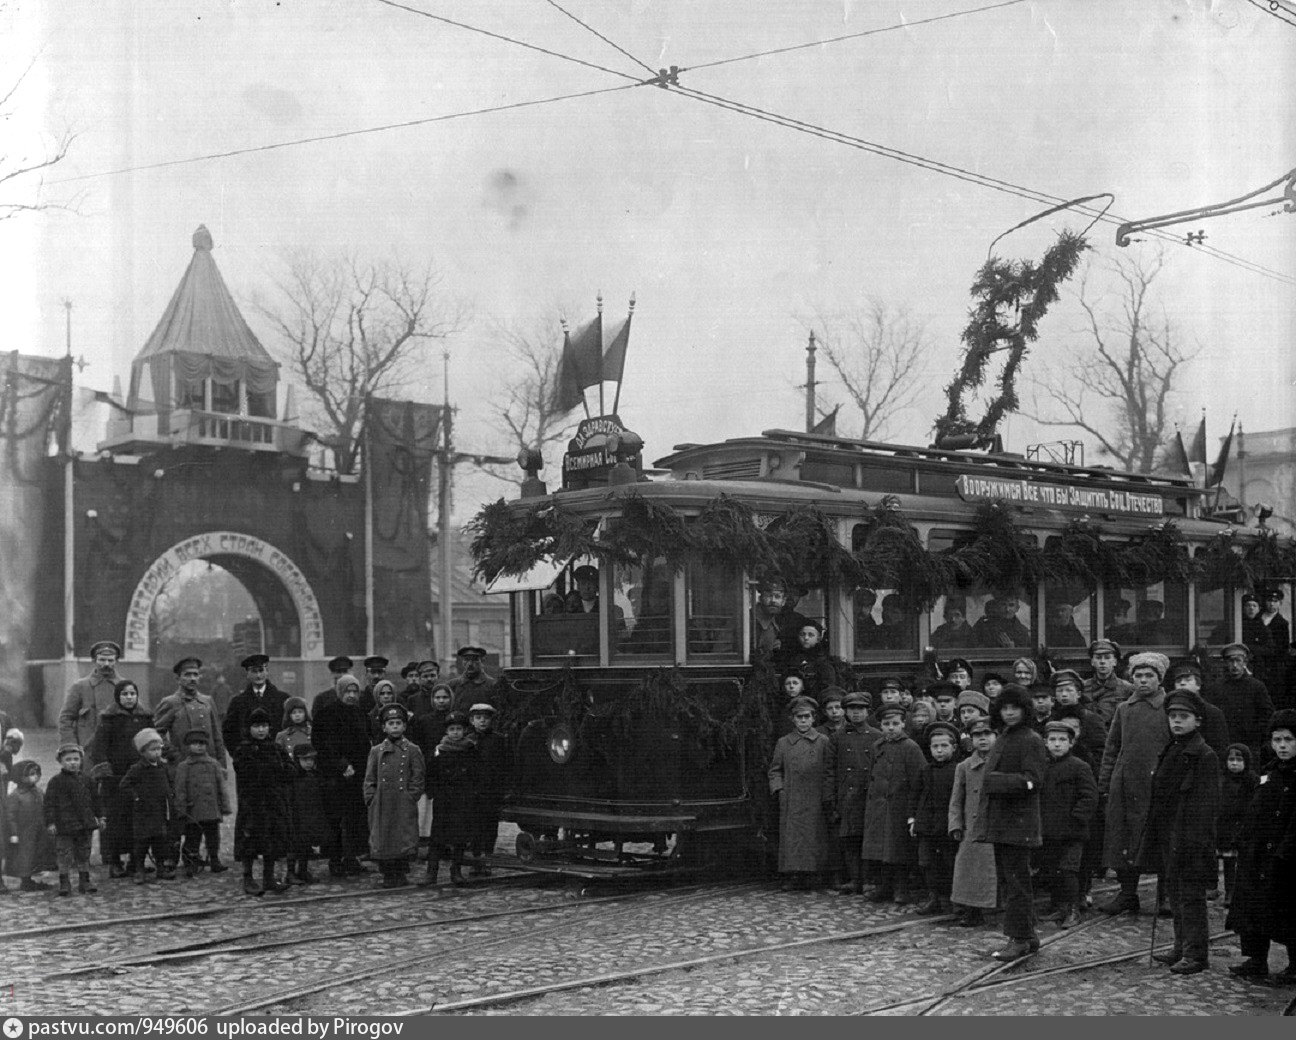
565,615
1147,615
714,601
643,597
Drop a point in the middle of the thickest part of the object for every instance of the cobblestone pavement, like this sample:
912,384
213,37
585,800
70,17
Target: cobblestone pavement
562,939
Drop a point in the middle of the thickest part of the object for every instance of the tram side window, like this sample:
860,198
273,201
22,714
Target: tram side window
714,600
1147,615
1214,618
883,625
642,622
1070,614
979,617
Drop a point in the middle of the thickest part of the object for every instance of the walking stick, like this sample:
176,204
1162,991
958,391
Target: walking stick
1156,915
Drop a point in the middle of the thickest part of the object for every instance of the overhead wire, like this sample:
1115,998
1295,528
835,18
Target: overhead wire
445,117
614,46
1275,10
947,169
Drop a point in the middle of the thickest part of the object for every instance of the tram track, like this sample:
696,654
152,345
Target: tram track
639,900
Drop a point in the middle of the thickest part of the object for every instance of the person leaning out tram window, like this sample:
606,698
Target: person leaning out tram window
999,626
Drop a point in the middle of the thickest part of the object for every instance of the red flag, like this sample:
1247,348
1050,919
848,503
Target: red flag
1198,452
1176,456
581,365
1217,471
828,424
615,355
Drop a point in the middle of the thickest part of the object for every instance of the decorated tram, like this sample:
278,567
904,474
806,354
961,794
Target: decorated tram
642,705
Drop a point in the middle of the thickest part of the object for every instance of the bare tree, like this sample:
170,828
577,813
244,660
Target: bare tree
1122,368
21,172
350,329
876,351
524,405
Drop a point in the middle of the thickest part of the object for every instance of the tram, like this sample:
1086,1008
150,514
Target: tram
643,716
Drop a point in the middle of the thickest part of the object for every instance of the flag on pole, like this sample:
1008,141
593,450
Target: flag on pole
1198,451
1221,463
828,424
581,365
615,355
1176,456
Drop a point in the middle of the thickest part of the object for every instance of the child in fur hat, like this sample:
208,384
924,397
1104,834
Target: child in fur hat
394,782
296,726
112,750
310,830
201,801
1238,786
73,813
30,848
453,780
150,788
263,773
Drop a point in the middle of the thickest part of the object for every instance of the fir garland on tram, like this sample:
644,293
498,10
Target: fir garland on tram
802,546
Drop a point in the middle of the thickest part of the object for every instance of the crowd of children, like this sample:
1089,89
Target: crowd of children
963,801
162,797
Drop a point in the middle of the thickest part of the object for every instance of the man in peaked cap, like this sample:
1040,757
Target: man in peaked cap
338,667
375,667
1105,688
91,695
259,692
1243,699
473,683
187,709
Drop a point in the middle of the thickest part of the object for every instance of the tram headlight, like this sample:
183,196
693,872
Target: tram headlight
562,743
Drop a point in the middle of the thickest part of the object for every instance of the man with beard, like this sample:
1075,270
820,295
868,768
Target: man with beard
186,710
90,696
473,684
259,692
340,734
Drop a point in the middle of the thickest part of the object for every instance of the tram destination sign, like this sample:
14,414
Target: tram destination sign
1059,496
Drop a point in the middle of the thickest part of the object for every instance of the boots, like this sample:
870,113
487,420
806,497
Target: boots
215,865
456,869
84,884
116,870
433,868
302,873
1070,919
250,886
930,906
65,885
1168,957
268,880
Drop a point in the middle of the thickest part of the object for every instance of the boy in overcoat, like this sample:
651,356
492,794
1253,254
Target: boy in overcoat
201,802
1264,902
1010,816
394,781
310,830
295,729
263,772
1137,733
796,777
846,783
453,779
73,813
929,817
112,750
497,772
150,787
1068,800
895,766
976,883
1179,839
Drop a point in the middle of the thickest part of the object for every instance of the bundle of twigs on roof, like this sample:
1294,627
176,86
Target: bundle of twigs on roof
807,551
1223,562
997,556
892,556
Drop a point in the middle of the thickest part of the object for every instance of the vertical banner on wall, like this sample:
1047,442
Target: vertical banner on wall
404,437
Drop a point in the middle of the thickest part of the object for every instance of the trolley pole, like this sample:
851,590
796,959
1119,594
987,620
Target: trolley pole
810,384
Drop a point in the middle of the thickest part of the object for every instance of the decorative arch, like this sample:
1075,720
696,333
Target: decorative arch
216,544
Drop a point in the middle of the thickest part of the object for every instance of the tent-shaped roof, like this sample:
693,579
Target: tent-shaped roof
202,335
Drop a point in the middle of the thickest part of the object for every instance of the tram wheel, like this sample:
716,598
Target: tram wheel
526,846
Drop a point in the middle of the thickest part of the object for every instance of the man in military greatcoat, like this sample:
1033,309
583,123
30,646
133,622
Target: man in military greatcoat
187,710
259,692
90,696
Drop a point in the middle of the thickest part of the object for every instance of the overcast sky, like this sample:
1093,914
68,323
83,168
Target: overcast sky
726,228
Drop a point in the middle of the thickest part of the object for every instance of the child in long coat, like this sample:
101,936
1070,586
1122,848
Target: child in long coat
112,750
154,820
1179,839
310,829
497,771
30,850
895,766
1237,788
846,784
263,772
201,802
295,729
1068,801
453,779
929,815
976,883
796,777
73,812
1264,902
394,781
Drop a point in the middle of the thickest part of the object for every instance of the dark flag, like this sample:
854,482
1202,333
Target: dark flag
403,438
828,424
1217,471
615,355
1198,450
1176,456
581,365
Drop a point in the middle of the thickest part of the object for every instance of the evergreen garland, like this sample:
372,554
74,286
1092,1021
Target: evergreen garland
1002,288
802,547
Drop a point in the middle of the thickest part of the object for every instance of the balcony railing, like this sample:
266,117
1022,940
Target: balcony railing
214,429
